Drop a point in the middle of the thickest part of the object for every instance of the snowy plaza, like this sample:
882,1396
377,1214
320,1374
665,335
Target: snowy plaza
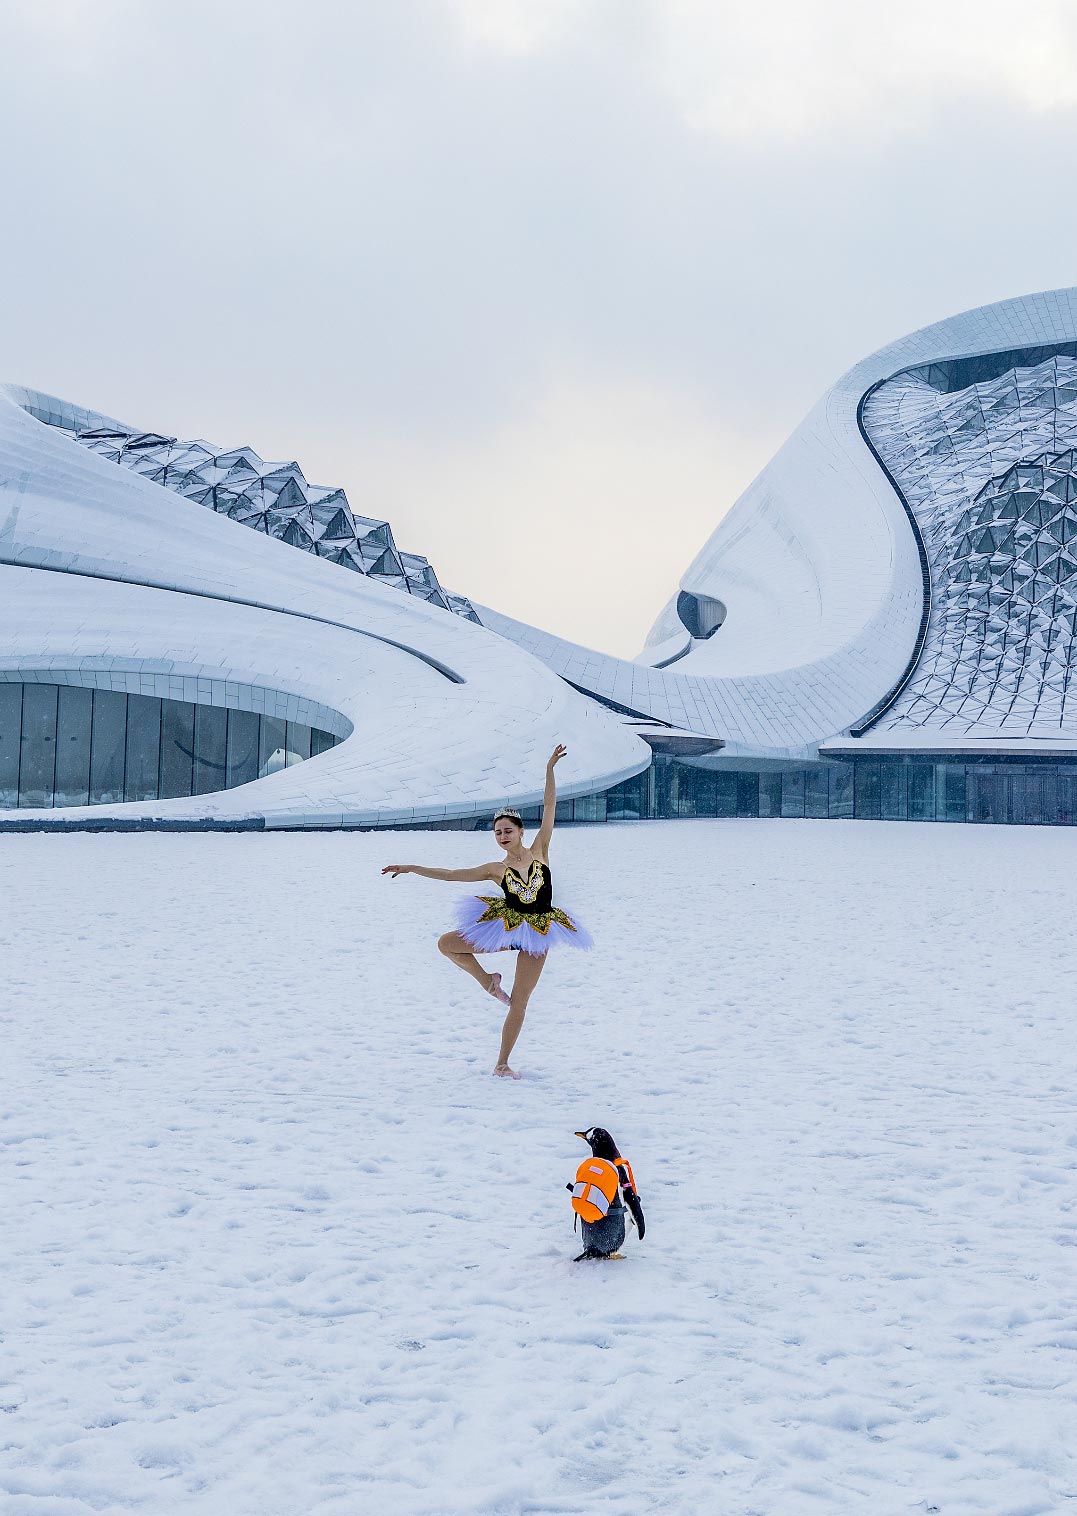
277,1243
538,602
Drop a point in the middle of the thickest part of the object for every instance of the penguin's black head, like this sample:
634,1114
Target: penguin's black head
600,1142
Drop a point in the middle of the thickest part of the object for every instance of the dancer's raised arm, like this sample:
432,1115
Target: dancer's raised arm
541,844
480,871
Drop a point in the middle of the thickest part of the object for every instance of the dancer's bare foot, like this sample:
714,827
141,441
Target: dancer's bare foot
494,989
504,1072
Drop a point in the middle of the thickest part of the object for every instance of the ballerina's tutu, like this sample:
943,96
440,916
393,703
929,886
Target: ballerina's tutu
490,924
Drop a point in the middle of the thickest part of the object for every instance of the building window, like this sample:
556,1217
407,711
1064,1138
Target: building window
877,788
700,615
65,745
74,715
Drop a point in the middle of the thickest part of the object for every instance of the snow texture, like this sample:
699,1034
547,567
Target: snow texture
275,1242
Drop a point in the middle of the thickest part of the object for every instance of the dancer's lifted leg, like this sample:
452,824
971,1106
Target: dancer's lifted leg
459,951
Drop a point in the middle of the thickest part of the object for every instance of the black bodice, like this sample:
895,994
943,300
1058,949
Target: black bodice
530,895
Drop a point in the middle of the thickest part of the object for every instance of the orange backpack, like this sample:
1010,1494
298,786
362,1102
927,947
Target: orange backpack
595,1189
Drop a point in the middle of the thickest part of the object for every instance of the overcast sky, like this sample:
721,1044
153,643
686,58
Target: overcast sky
544,282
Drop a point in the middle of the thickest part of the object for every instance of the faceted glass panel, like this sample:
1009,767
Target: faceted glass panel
276,499
748,794
210,749
987,465
243,740
893,805
37,757
177,749
816,793
793,793
770,794
589,808
988,794
867,792
271,746
841,790
1026,797
10,735
921,791
725,793
297,742
625,802
108,746
143,747
73,719
950,794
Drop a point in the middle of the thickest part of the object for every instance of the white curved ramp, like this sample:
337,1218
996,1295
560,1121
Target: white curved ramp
111,580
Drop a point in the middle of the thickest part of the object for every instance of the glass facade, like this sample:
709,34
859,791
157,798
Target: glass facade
74,720
62,745
864,789
37,745
275,498
985,458
700,614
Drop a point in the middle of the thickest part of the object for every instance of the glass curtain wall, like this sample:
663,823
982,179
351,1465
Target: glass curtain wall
62,745
869,789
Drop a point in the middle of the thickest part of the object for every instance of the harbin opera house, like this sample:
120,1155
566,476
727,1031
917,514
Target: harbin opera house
884,626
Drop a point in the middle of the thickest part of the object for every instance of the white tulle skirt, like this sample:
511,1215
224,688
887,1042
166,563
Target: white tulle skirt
490,924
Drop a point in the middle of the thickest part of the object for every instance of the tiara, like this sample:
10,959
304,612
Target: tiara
511,814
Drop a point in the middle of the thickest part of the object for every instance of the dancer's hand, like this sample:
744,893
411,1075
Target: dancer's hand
556,756
397,868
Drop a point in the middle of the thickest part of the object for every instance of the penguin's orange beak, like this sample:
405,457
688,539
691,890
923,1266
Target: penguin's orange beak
580,1134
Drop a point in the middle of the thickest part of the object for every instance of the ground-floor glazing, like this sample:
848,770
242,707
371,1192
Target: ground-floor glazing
932,788
63,745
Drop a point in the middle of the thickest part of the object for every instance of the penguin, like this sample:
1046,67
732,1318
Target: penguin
602,1238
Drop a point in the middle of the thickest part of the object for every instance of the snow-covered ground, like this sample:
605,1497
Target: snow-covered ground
275,1243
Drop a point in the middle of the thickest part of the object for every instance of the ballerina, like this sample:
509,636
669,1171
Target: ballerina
525,919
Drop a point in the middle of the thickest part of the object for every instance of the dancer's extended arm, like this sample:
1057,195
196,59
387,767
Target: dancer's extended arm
541,844
481,871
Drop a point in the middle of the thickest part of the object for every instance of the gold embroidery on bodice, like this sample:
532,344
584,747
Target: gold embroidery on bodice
525,890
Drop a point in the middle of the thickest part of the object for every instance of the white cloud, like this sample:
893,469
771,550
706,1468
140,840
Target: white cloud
72,34
516,26
767,69
777,68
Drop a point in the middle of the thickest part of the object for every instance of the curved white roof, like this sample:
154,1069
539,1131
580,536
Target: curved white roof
818,566
107,576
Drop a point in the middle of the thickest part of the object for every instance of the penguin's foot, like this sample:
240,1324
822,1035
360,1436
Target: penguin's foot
494,989
592,1255
504,1072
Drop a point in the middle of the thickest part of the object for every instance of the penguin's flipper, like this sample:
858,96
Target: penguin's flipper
636,1211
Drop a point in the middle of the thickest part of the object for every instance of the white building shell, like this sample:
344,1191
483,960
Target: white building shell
879,548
